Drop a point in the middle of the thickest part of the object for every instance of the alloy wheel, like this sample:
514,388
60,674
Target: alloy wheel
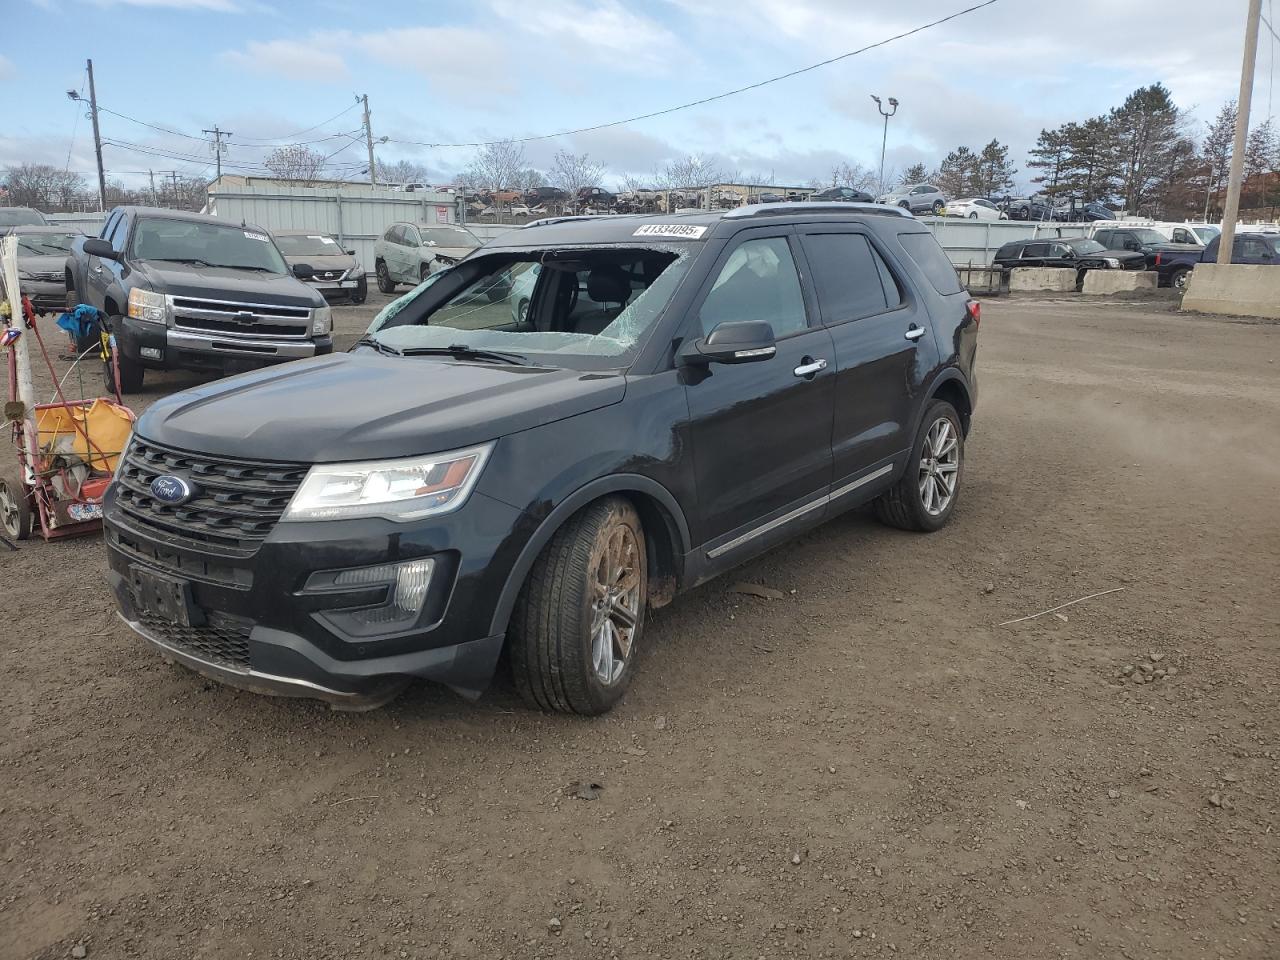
615,602
939,467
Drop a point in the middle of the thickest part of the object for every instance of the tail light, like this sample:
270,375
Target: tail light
974,309
1158,258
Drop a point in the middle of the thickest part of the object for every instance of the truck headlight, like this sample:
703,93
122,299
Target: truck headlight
146,305
321,321
407,489
1113,263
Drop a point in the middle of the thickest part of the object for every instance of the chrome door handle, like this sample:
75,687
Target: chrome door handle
810,367
98,268
914,333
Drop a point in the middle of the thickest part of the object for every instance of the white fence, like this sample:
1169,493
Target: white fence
975,242
357,219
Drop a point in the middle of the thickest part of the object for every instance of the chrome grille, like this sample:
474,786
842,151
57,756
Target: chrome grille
236,504
241,319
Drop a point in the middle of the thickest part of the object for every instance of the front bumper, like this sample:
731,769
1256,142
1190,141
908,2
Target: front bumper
265,628
198,350
46,296
339,290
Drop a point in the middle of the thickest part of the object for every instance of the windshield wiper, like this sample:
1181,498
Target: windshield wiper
379,346
194,261
463,352
239,266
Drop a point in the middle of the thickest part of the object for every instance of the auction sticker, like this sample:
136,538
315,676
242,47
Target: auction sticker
257,236
685,231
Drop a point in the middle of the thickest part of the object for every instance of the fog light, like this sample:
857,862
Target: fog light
151,353
408,592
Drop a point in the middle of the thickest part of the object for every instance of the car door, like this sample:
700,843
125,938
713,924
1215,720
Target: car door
1035,255
101,274
760,432
410,253
882,337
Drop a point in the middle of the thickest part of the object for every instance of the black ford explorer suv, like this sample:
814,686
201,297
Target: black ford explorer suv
682,393
194,292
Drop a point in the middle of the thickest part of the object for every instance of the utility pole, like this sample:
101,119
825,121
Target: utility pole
152,175
893,108
217,145
368,138
97,138
1236,176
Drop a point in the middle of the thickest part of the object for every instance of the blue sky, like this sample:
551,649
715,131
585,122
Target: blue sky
450,72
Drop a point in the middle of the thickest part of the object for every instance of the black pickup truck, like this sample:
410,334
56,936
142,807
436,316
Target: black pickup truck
188,291
1171,261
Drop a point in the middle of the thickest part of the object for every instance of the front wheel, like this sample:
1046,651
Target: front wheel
131,372
16,518
581,612
938,207
924,499
385,283
361,293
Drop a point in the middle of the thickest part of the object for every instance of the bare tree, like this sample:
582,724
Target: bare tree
42,185
296,164
694,171
573,171
855,175
402,172
497,166
528,179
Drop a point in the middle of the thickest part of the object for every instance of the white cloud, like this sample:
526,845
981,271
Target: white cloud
296,59
604,30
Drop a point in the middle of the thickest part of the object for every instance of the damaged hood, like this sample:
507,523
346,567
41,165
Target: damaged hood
367,406
227,283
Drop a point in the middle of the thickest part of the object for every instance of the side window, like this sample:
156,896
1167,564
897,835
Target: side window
1182,235
1035,250
1254,249
1058,250
410,238
924,250
393,234
119,233
846,275
1104,238
757,282
109,226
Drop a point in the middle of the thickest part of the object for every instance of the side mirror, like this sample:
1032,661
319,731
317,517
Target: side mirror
738,341
1133,245
303,271
349,253
96,247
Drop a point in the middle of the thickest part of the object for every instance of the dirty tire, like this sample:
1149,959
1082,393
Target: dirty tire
938,207
361,292
16,520
131,371
902,505
1178,279
384,278
551,637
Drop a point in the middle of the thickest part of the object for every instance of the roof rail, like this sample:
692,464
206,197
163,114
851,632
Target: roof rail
816,206
545,221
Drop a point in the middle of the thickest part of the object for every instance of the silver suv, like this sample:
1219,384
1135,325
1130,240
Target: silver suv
916,197
410,252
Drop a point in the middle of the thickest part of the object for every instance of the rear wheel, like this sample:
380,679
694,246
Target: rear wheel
581,612
1178,279
15,509
973,216
925,497
938,207
385,283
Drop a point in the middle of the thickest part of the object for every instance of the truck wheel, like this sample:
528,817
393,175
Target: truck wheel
924,499
361,293
131,372
385,284
580,614
1178,279
15,508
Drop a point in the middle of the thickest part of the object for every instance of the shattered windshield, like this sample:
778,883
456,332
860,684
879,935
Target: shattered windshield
582,308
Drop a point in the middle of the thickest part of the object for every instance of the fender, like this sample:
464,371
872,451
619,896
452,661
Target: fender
946,375
614,483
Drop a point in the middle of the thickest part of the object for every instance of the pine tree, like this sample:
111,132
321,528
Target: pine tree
916,173
1049,155
1148,128
1215,155
994,173
957,173
1089,167
1259,162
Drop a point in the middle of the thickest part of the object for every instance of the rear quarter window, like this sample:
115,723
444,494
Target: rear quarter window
928,256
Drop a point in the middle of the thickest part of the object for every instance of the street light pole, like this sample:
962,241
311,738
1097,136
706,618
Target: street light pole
1231,208
884,140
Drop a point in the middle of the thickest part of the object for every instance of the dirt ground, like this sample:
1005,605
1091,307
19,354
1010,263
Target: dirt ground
869,766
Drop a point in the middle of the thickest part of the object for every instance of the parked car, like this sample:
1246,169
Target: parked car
680,397
1170,231
335,273
918,198
410,252
1257,248
21,217
524,277
974,208
1172,261
1032,208
544,195
846,194
1080,253
1087,212
187,291
42,259
597,198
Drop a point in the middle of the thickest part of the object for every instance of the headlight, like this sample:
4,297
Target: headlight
1113,263
447,261
321,321
396,489
145,305
25,276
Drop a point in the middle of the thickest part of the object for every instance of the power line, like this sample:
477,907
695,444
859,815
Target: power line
290,136
262,144
718,96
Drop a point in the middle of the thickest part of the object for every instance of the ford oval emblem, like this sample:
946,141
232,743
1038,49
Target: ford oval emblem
171,489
